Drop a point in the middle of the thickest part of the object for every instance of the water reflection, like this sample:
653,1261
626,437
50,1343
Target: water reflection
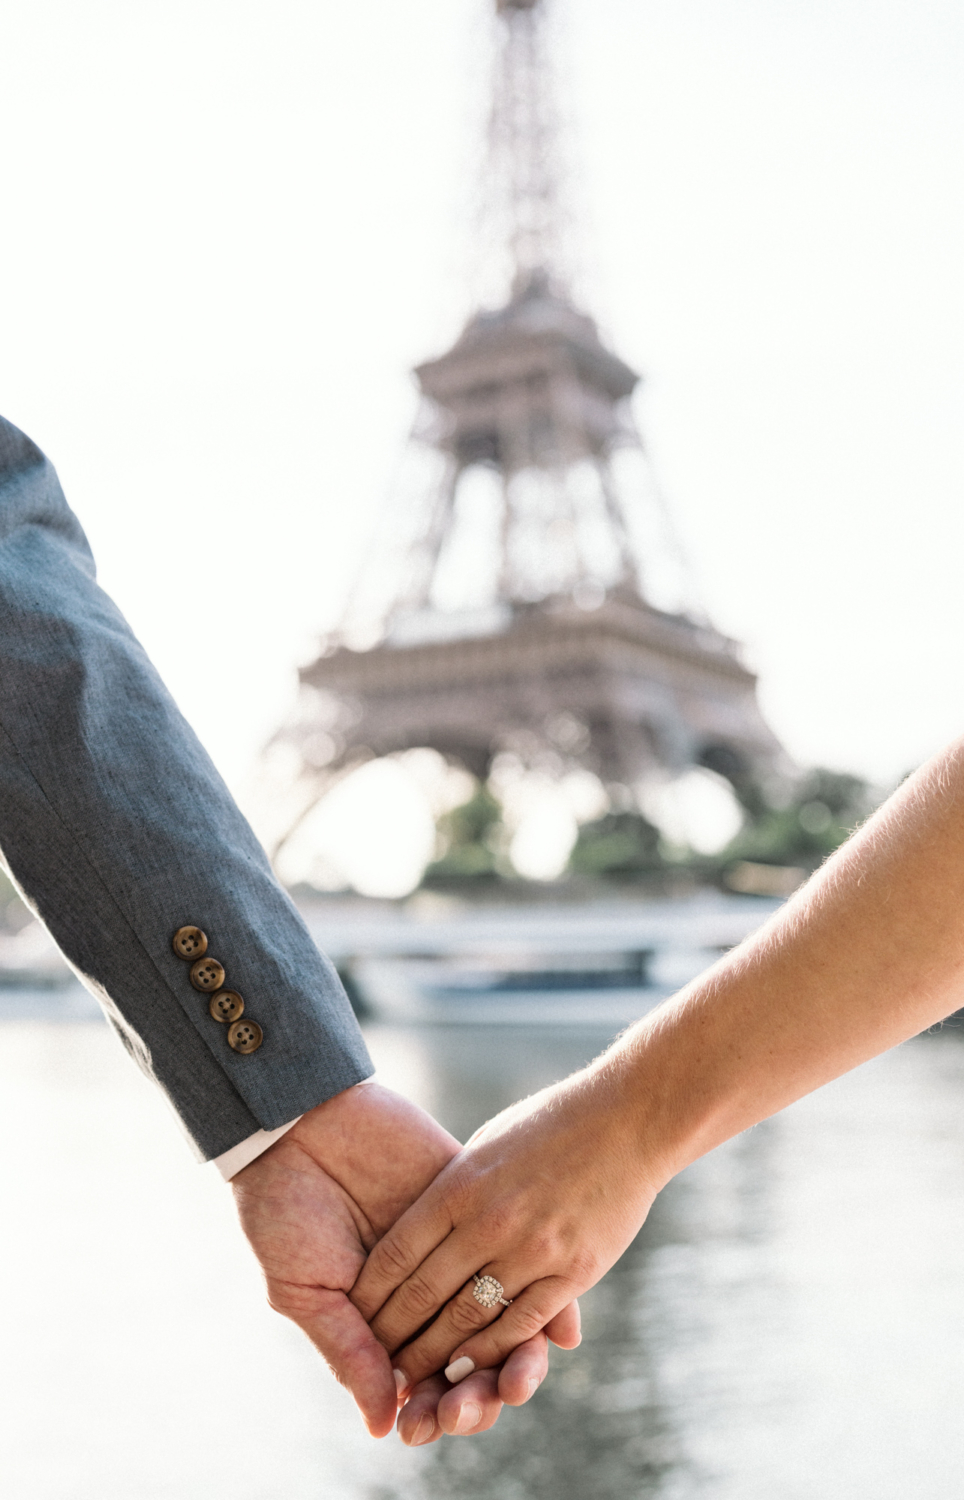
789,1325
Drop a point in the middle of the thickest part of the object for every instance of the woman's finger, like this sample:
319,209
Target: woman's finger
401,1251
565,1329
458,1342
441,1278
435,1407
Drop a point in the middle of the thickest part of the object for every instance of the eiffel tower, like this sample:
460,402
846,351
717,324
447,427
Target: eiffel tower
511,602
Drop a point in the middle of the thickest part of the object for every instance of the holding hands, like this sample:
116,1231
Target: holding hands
544,1199
372,1225
314,1205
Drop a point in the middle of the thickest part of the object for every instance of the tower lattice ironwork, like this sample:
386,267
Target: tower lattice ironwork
512,600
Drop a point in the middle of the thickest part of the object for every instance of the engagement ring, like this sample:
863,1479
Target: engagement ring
488,1292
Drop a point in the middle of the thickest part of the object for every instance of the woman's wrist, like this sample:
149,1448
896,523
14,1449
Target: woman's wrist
666,1086
607,1105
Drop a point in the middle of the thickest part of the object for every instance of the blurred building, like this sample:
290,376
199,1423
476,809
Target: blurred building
526,592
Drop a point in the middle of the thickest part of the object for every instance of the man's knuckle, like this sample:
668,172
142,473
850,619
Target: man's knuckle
291,1300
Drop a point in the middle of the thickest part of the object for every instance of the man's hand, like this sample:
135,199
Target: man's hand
316,1203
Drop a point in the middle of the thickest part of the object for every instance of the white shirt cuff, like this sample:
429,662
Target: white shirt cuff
230,1163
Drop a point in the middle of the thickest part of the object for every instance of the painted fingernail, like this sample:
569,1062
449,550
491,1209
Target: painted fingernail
401,1382
469,1417
459,1368
424,1430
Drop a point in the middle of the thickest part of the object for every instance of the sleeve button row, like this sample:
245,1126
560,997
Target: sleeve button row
207,975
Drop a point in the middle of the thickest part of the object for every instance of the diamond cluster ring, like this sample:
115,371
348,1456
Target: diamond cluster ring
488,1292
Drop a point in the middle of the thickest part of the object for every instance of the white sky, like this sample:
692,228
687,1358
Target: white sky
229,229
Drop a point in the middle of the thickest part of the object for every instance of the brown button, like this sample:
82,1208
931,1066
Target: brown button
207,975
245,1036
190,942
226,1005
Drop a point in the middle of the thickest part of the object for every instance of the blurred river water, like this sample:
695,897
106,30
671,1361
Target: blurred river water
789,1325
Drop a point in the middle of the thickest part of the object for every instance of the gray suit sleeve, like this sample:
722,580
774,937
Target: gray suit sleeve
118,830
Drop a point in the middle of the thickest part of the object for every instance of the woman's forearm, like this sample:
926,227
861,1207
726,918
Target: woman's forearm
869,953
549,1194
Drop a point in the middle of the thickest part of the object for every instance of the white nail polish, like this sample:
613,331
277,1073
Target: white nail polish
401,1382
459,1368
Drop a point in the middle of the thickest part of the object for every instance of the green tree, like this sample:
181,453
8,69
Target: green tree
820,813
470,839
618,843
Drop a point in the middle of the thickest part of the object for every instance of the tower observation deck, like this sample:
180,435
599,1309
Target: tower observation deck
508,603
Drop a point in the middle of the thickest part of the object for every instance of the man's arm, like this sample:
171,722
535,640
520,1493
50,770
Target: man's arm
124,840
313,1207
118,831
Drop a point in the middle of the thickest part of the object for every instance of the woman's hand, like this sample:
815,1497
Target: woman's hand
867,954
544,1198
